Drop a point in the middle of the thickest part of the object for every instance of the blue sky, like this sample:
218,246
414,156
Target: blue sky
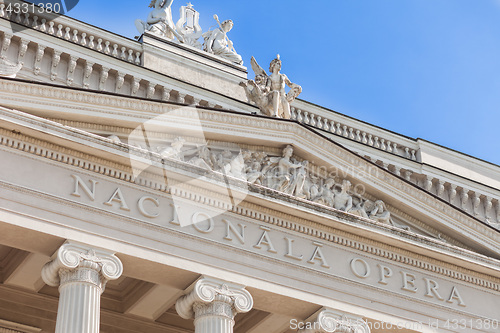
423,68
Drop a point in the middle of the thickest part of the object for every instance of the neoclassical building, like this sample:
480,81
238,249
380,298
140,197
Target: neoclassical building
151,185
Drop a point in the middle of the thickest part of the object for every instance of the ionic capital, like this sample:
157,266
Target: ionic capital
75,262
329,321
229,299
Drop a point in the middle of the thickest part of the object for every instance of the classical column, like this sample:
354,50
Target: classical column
81,273
213,304
329,321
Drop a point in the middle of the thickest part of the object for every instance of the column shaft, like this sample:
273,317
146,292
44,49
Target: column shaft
79,306
213,324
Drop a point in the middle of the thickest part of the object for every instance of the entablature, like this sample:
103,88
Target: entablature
209,118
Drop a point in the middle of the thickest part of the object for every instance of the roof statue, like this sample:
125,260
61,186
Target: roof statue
217,42
159,20
188,26
188,31
268,91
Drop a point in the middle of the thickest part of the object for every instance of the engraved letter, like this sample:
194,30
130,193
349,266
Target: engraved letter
117,197
196,221
354,269
455,295
289,250
265,240
318,255
175,216
409,281
385,272
143,211
231,228
432,287
79,183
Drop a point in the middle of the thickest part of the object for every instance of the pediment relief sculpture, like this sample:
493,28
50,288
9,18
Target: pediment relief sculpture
188,31
284,173
268,93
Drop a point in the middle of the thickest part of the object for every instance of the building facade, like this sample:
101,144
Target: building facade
150,186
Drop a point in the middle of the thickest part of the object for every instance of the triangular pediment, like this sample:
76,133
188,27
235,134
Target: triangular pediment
282,164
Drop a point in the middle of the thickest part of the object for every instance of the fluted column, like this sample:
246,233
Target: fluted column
213,304
329,321
81,273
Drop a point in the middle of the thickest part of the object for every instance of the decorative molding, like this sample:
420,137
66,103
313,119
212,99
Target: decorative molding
136,74
11,327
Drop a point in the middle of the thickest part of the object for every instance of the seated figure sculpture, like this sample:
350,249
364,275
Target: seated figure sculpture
159,20
343,200
268,91
380,213
217,42
326,195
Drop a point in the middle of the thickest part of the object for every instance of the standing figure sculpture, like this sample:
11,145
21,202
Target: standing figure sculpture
159,20
217,42
271,97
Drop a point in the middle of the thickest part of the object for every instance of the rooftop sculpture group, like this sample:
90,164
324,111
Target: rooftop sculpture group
266,91
188,31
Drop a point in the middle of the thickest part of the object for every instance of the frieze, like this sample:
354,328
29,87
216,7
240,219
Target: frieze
319,254
284,174
337,237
